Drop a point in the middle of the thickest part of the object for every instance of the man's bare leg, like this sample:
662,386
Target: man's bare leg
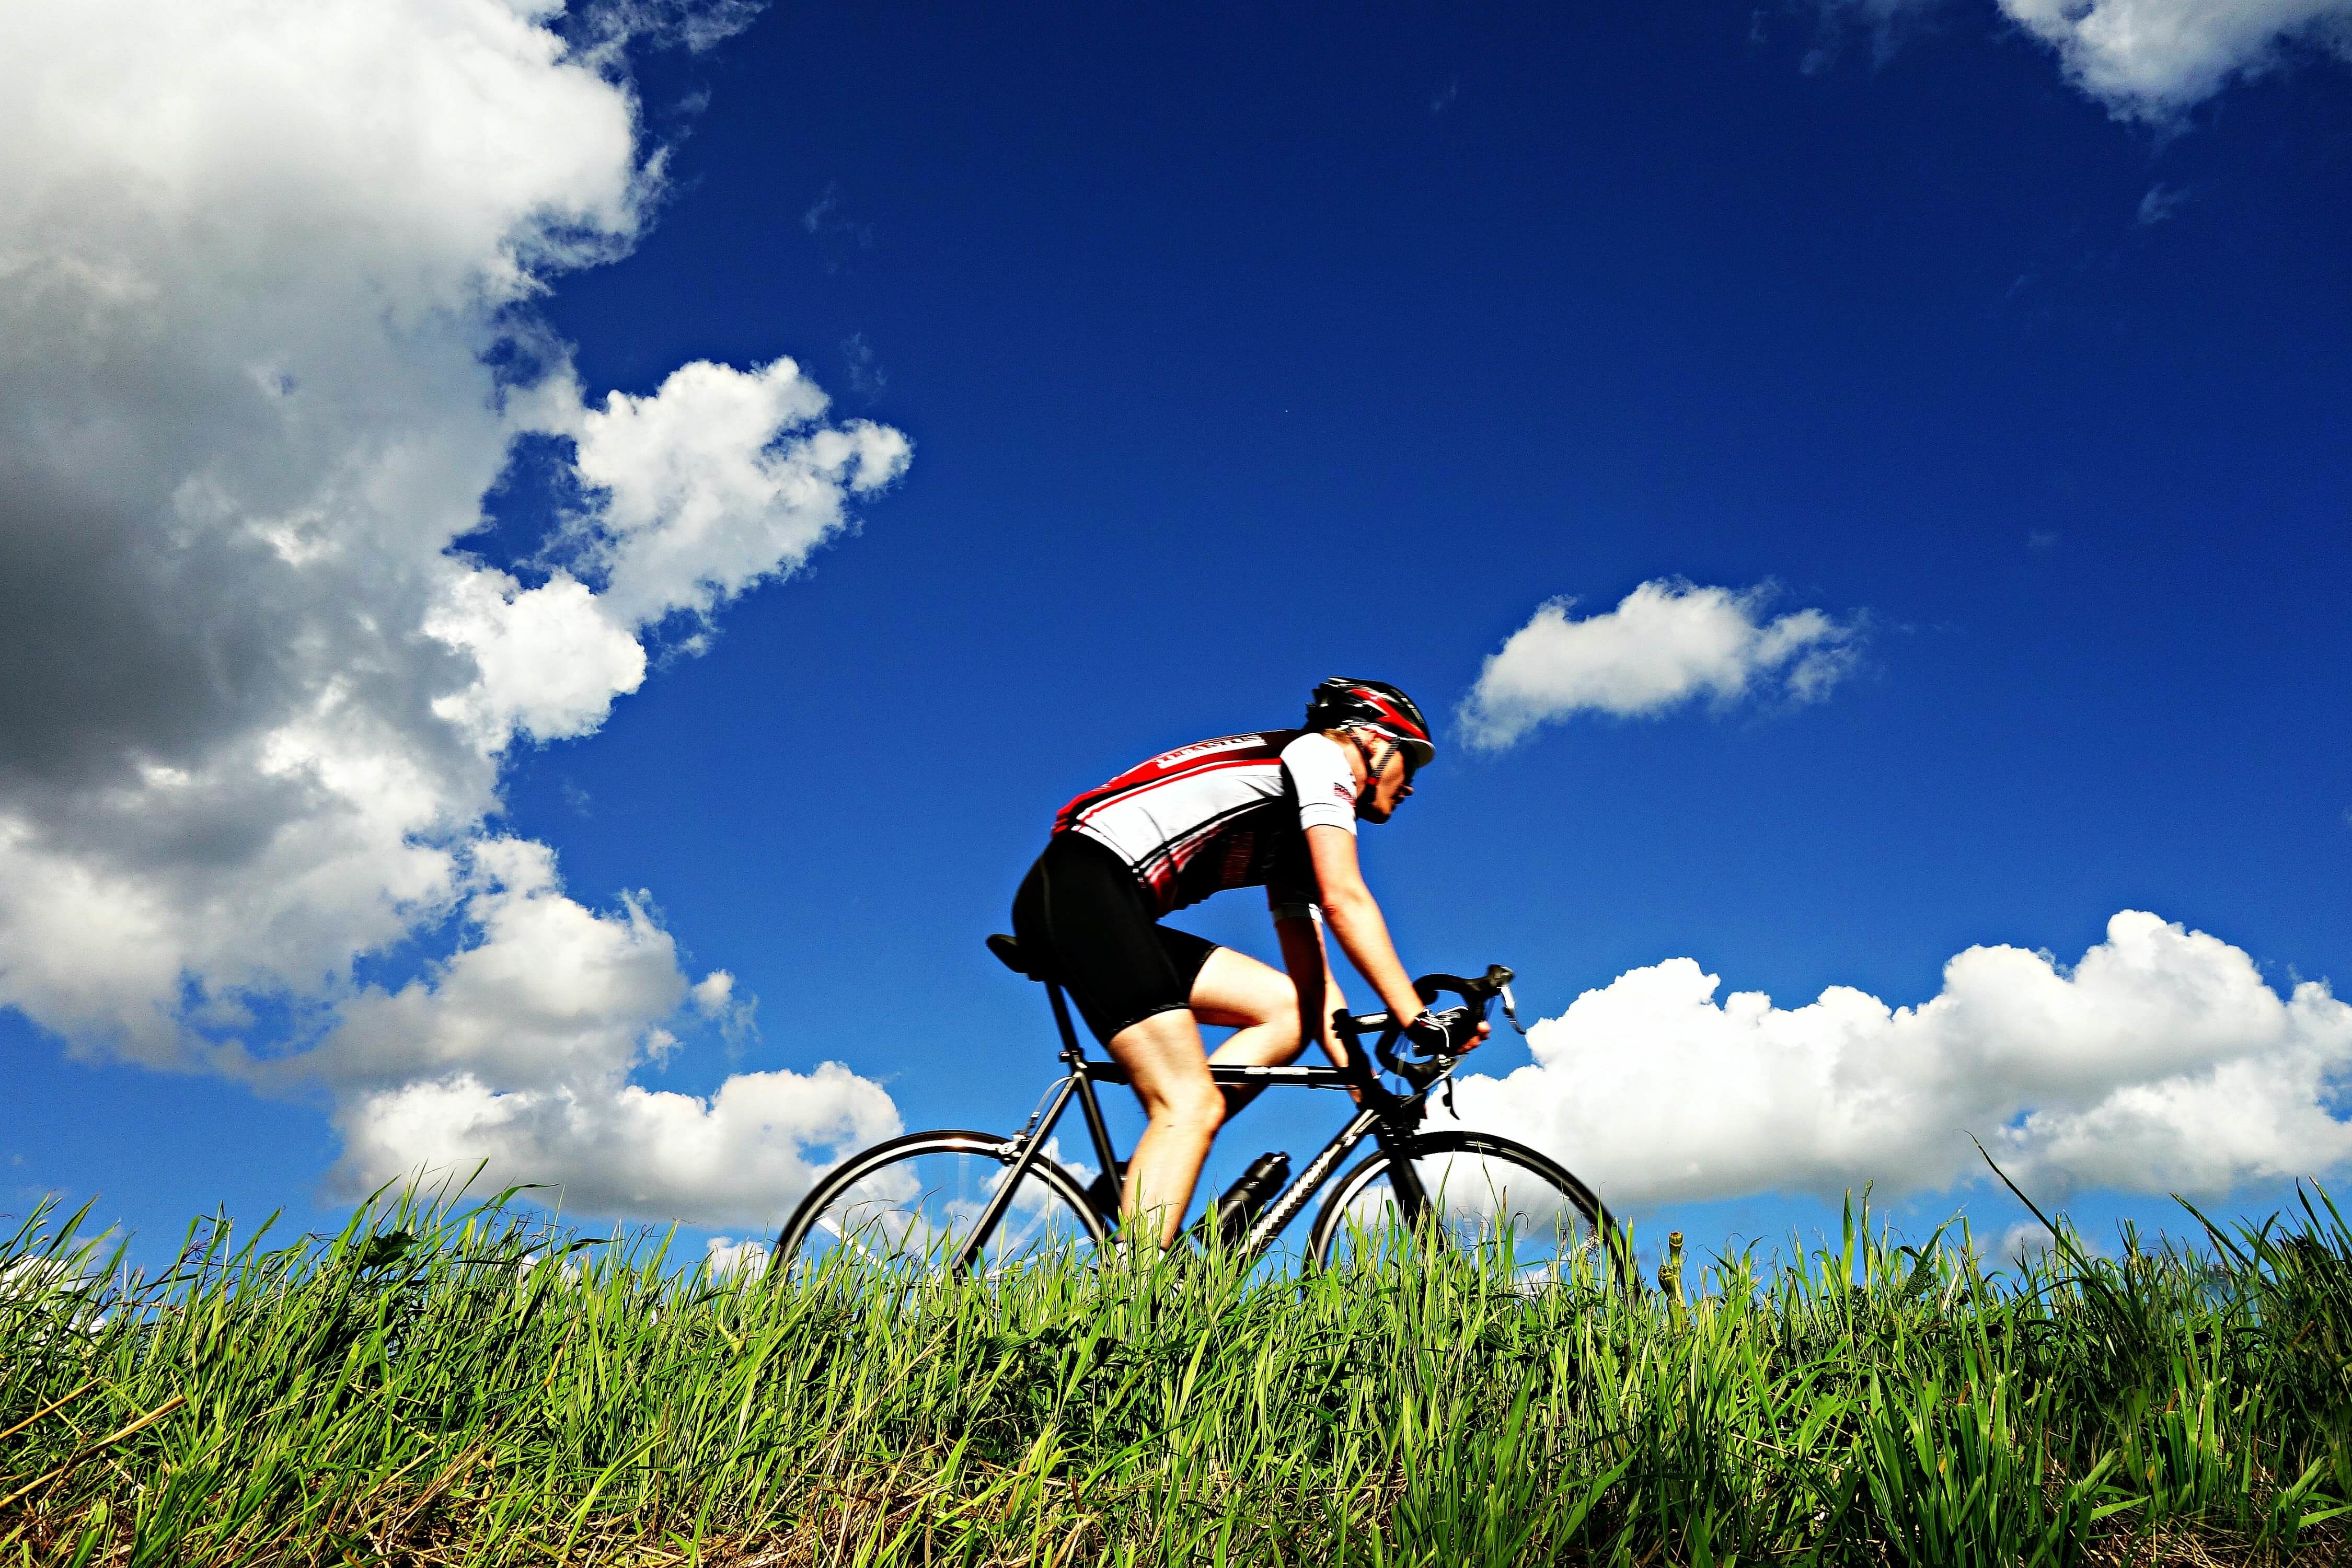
1169,1069
1234,991
1168,1065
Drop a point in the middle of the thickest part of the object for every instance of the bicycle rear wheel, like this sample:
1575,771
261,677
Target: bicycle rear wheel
909,1205
1483,1193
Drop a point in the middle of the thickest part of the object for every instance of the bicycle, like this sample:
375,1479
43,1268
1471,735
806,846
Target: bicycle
953,1199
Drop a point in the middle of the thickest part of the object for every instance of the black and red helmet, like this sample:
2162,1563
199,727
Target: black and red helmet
1343,701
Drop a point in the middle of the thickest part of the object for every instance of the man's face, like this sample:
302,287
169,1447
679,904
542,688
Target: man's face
1378,800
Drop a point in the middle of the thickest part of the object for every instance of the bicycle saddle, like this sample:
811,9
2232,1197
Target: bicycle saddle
1008,953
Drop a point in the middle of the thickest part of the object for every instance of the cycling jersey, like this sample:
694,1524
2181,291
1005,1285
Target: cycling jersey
1228,813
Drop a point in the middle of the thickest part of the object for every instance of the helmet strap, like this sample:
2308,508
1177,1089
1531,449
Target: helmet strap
1374,765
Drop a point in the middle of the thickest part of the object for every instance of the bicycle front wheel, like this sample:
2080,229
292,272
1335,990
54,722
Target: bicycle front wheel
909,1205
1480,1193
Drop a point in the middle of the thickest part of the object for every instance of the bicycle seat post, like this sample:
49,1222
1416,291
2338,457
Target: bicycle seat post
1072,1052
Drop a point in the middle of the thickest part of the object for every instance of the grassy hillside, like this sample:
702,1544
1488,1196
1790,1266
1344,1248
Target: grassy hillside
464,1387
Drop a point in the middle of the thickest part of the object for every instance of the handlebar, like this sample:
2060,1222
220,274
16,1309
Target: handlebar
1422,1070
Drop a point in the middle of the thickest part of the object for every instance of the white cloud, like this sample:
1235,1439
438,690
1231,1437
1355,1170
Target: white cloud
2144,59
703,496
1666,643
742,1155
253,264
733,1258
2160,1063
519,1051
714,999
548,661
548,992
2151,59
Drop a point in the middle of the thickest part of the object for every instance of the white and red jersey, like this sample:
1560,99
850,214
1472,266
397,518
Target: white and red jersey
1228,813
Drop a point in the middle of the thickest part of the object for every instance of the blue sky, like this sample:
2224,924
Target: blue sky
1233,347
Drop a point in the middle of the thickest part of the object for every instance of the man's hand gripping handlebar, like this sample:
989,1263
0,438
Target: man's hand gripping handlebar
1434,1038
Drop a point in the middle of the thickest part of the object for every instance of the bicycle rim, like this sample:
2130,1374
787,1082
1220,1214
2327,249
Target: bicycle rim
908,1206
1486,1196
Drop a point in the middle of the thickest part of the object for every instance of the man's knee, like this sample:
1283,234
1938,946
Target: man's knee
1194,1106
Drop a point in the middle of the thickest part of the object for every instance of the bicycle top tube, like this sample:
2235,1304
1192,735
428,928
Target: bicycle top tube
1236,1074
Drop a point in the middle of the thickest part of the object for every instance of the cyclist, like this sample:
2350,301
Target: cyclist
1277,809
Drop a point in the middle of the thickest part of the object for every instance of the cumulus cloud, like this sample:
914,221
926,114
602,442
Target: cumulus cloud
743,1155
548,661
700,498
2151,59
2144,59
1666,643
516,1052
255,267
2161,1062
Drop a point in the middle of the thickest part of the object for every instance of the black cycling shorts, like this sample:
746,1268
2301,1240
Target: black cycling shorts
1082,917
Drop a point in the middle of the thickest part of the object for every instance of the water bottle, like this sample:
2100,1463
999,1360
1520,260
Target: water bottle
1246,1198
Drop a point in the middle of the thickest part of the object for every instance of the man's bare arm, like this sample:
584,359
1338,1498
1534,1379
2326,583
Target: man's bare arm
1309,966
1356,920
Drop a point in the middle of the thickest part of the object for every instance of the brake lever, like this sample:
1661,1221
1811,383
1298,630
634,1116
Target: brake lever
1511,1009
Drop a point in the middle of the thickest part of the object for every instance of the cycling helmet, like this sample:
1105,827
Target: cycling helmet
1342,701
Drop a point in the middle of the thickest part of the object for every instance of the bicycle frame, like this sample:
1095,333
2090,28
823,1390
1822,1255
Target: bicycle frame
1383,1115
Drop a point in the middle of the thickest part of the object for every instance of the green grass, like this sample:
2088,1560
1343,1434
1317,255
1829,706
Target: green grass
447,1385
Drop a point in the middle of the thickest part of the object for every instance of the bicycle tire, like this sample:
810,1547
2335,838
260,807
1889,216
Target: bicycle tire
1546,1213
897,1202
